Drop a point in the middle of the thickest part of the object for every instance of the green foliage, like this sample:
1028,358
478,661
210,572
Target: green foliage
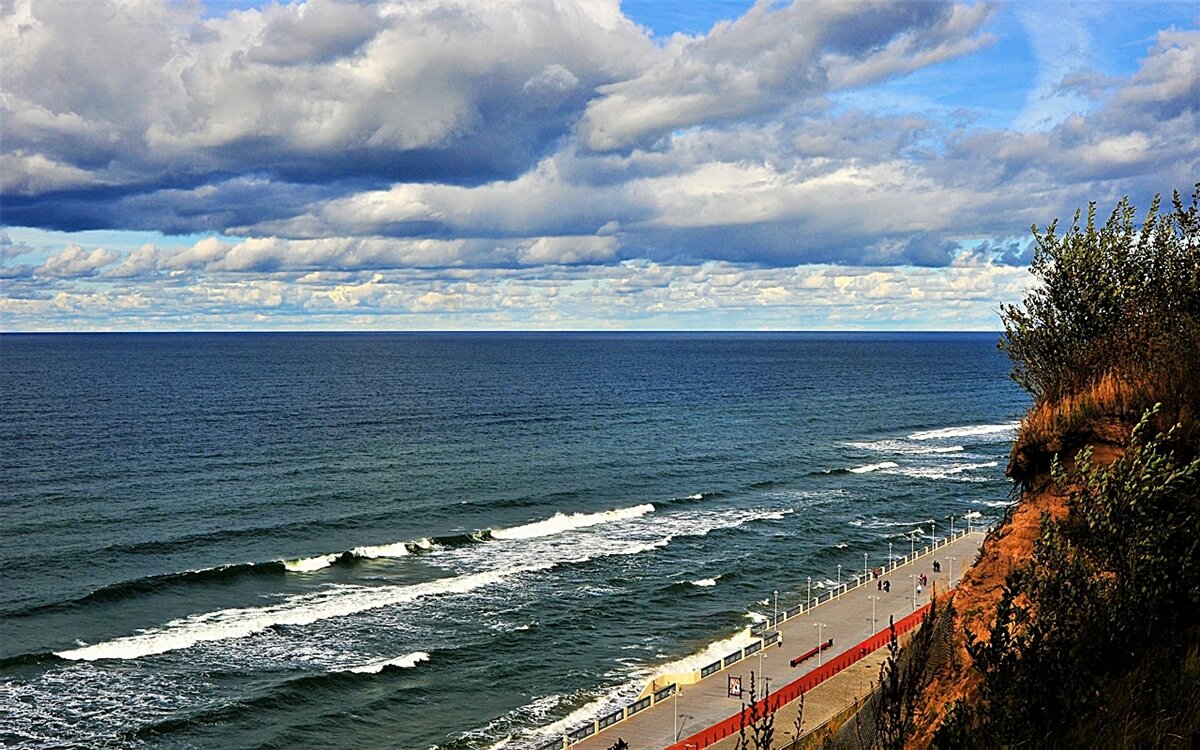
1112,299
903,678
1112,587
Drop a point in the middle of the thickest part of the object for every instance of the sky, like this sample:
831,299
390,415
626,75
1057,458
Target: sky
568,164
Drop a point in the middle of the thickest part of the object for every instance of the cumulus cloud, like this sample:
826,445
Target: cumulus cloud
772,57
74,261
447,90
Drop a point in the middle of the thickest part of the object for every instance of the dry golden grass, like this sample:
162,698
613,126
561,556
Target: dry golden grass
1112,397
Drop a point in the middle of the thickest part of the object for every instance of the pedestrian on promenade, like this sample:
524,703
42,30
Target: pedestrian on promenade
879,585
887,587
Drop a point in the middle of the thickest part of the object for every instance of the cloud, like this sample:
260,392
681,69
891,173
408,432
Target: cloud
773,57
74,261
638,294
451,91
541,161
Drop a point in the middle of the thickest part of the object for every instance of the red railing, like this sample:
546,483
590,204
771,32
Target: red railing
794,689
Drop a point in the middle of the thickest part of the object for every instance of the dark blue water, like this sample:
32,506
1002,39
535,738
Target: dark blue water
303,540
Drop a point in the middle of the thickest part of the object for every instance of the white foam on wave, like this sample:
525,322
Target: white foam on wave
965,431
952,471
993,503
904,447
705,582
493,563
874,467
973,515
708,654
408,661
842,545
561,522
309,564
303,609
396,549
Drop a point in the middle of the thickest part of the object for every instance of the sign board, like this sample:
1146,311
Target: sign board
735,687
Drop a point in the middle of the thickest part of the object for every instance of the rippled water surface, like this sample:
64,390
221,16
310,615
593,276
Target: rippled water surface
300,540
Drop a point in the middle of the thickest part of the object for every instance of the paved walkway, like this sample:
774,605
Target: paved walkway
847,619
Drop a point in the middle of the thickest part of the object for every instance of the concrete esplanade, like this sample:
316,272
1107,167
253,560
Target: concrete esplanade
695,710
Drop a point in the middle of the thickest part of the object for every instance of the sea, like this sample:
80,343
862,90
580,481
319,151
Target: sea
453,540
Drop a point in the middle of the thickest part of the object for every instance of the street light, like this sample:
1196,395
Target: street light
951,525
889,553
873,599
933,532
820,626
776,623
951,571
866,570
914,576
839,576
761,656
675,701
808,602
912,544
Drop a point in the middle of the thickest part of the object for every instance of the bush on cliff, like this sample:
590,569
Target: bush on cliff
1114,324
1095,640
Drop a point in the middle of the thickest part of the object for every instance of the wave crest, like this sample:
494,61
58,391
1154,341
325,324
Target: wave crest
965,431
561,522
408,661
874,467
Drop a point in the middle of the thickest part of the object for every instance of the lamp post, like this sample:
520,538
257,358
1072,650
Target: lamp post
839,576
776,623
951,525
914,576
675,701
933,532
761,656
889,553
808,602
820,626
912,544
873,599
950,571
866,570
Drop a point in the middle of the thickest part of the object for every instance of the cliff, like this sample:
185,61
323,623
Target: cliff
1007,548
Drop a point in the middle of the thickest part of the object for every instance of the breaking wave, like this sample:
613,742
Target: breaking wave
309,564
874,467
561,522
408,661
966,431
345,600
904,447
303,609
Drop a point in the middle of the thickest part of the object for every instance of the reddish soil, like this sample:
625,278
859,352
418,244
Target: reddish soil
1005,549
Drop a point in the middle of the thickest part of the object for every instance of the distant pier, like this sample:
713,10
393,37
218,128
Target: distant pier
695,709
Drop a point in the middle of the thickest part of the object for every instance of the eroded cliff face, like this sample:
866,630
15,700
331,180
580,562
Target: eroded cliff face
1006,548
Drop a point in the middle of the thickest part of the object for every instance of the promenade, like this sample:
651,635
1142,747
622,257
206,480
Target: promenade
848,616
